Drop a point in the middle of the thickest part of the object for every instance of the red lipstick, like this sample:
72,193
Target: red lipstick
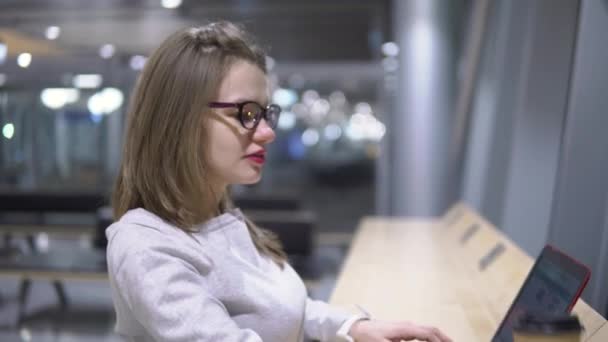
258,157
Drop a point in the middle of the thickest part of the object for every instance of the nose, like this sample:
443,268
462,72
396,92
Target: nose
263,133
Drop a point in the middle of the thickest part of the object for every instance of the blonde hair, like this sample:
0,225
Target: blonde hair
164,165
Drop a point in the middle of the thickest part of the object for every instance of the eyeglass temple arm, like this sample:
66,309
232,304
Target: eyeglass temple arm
222,105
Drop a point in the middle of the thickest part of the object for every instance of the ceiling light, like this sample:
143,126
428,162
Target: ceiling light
137,62
287,120
171,3
332,132
55,98
8,130
390,49
309,97
3,52
52,32
310,137
87,81
284,97
107,51
363,107
24,60
106,101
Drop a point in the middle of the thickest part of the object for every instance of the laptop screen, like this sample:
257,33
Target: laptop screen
552,286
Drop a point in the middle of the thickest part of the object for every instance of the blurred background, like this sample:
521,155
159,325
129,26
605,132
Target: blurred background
394,108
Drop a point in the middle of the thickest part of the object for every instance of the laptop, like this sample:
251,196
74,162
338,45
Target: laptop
553,285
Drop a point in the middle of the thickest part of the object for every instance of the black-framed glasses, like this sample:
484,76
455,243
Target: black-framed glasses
251,113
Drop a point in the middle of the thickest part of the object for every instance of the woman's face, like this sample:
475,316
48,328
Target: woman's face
237,154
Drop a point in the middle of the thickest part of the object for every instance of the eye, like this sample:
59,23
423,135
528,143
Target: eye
251,112
248,115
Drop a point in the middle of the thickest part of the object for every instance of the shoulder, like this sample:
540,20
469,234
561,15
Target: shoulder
138,230
140,236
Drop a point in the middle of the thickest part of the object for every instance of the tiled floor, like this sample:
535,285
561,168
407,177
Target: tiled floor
90,315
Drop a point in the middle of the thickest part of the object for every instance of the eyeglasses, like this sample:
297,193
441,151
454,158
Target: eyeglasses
251,113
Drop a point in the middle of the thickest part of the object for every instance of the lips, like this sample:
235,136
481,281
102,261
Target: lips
258,157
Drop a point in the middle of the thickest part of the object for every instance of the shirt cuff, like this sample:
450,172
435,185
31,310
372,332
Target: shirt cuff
342,333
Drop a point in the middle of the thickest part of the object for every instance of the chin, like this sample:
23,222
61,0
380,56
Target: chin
250,180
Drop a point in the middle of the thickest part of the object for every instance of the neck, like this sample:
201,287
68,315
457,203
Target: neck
218,193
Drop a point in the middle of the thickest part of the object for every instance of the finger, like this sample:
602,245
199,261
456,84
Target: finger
443,337
423,334
409,332
435,334
428,334
439,334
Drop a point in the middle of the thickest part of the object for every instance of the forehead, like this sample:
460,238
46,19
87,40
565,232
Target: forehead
243,81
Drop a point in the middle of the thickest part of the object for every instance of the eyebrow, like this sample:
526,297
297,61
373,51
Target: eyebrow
244,99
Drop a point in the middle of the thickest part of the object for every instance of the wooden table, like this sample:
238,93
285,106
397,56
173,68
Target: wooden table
601,335
417,270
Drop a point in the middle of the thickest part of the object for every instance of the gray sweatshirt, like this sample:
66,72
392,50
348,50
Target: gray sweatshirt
169,285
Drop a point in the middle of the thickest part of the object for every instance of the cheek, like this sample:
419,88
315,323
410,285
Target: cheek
225,149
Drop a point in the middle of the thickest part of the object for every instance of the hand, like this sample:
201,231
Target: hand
381,331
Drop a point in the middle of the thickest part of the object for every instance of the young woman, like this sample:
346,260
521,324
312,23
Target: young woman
184,264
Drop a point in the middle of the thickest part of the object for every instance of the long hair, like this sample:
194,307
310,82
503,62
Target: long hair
164,166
